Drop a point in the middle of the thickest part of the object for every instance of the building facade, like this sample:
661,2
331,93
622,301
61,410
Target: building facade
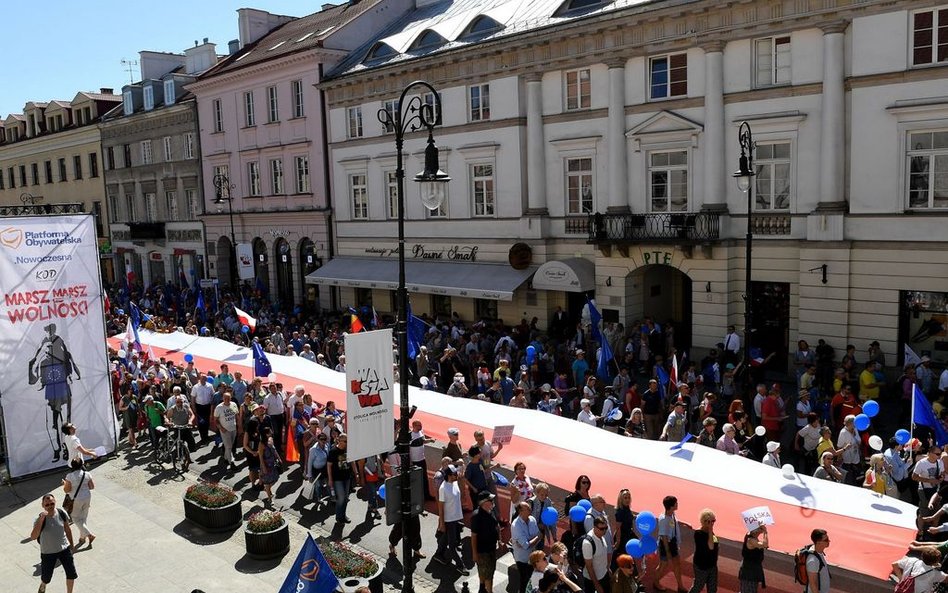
152,165
50,156
592,144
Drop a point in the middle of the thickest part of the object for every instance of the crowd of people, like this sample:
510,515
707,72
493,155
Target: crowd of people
553,371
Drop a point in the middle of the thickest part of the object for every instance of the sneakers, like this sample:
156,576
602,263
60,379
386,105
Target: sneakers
42,588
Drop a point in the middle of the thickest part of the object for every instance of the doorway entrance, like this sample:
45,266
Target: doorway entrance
771,321
662,293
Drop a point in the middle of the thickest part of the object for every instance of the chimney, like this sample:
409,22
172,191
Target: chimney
205,40
254,24
199,58
233,46
106,91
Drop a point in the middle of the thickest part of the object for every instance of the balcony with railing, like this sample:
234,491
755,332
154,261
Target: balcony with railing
683,228
31,209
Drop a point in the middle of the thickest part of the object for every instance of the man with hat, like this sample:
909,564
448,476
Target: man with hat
548,403
586,414
450,521
772,458
485,540
677,423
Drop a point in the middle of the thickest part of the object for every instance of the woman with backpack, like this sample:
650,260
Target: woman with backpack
919,575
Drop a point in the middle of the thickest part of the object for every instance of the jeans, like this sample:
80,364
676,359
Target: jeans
705,578
341,489
372,494
449,542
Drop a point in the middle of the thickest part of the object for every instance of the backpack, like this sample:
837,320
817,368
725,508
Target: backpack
576,553
800,574
616,405
907,584
63,517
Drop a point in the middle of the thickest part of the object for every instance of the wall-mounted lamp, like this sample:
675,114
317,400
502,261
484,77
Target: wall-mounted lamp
707,287
608,280
821,269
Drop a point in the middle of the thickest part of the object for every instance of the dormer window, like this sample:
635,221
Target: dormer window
581,5
128,104
482,26
148,95
169,92
380,51
428,40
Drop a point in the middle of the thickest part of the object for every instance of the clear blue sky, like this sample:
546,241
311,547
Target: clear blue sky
79,47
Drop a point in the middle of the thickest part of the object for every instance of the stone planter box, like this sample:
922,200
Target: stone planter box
350,584
227,518
268,544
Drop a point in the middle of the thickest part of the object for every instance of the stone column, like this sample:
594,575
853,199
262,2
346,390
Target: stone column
832,115
715,164
536,148
618,174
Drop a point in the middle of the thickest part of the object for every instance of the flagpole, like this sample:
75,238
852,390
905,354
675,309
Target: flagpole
912,418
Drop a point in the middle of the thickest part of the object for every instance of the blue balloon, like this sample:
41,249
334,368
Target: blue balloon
120,311
382,491
870,408
902,436
649,545
205,331
549,516
188,358
633,548
862,422
577,514
245,328
645,522
585,504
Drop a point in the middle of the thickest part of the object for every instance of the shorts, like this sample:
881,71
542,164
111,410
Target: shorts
672,550
48,563
486,565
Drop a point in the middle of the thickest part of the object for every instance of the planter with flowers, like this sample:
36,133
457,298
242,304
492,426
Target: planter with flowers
267,535
214,507
353,568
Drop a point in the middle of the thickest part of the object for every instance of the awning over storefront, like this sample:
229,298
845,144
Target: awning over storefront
569,275
462,279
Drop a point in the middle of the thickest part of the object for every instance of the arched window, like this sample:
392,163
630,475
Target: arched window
380,51
482,26
581,5
428,40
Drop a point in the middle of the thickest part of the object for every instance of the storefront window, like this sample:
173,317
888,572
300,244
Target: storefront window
485,309
363,297
440,305
923,324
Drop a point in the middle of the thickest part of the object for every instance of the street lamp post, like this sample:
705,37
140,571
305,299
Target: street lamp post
221,186
410,116
745,182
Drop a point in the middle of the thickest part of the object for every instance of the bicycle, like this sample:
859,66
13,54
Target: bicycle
172,448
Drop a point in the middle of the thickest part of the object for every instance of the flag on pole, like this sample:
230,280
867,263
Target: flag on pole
911,357
376,320
594,319
355,324
310,572
662,376
673,375
261,364
245,319
416,334
605,351
922,413
108,304
131,336
181,277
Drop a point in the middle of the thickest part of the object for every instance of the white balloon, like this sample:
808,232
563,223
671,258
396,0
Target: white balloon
760,431
875,441
272,377
423,381
616,415
788,471
122,353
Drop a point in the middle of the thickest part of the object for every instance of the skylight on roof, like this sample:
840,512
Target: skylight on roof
427,40
581,5
380,51
305,37
482,25
277,45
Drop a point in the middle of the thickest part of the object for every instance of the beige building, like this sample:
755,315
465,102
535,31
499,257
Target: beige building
50,155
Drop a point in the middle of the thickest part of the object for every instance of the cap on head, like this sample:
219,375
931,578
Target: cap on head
772,446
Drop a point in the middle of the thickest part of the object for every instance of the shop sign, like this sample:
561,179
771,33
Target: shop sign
650,258
421,251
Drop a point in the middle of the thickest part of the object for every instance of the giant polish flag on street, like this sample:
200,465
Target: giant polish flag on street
52,333
370,398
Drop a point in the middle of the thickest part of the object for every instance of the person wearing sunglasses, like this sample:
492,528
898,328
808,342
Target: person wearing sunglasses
51,529
706,554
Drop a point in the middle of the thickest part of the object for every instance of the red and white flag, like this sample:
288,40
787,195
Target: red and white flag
245,319
673,374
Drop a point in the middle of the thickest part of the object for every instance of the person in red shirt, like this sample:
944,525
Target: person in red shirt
844,404
772,416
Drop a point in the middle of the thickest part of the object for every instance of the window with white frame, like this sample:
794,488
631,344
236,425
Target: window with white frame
194,208
578,91
112,201
253,178
479,97
772,61
579,185
296,88
222,171
148,97
273,108
169,92
354,119
482,189
171,205
772,179
151,208
169,156
668,181
130,213
218,115
146,152
250,118
359,196
930,36
302,174
128,103
441,211
276,176
927,169
391,108
668,76
189,145
391,191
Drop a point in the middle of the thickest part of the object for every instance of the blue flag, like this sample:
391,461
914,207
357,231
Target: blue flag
605,355
310,573
261,364
595,318
662,376
922,413
416,334
135,317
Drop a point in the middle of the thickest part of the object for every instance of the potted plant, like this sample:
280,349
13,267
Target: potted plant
215,507
353,568
267,535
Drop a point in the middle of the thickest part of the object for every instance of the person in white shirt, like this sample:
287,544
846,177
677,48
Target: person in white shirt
803,408
929,473
849,440
202,396
943,382
772,458
818,574
926,570
597,556
586,414
732,345
450,520
226,416
759,398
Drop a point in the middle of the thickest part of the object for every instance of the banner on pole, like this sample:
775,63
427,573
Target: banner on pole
370,397
245,269
52,337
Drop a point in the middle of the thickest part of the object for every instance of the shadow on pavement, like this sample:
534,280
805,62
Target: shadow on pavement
248,565
198,536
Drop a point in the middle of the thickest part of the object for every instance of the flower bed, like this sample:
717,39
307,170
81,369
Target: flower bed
267,535
214,507
354,569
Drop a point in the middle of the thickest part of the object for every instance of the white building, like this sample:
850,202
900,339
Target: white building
555,111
